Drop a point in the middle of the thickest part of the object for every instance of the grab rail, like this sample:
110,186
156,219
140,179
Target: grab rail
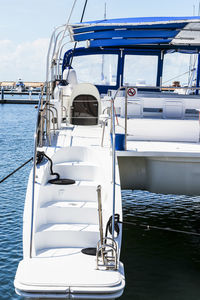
34,171
100,213
57,44
49,50
113,163
107,254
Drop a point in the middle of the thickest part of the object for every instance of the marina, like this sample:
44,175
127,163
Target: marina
73,208
111,187
29,94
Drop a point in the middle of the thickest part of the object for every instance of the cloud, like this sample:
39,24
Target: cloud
26,60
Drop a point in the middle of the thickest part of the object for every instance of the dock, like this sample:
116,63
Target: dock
19,101
6,97
8,93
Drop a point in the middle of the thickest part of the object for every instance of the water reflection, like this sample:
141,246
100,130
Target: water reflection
159,264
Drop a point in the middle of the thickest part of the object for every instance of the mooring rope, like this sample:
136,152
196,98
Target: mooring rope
148,227
13,172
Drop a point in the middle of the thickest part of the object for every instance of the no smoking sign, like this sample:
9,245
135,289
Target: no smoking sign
131,92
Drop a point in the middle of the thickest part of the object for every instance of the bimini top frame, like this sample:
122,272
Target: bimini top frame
158,32
142,36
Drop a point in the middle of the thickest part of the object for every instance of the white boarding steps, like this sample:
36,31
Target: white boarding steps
67,222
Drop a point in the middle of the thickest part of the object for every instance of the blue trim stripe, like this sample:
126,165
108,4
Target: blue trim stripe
89,28
126,34
127,42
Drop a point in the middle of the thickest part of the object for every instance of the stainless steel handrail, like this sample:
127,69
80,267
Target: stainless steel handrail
53,121
55,52
110,257
49,50
59,58
100,217
34,173
54,56
53,107
113,164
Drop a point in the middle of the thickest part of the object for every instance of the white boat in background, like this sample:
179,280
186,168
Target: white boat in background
72,227
20,86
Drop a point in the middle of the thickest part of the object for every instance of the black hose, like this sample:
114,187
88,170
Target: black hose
40,156
116,225
2,180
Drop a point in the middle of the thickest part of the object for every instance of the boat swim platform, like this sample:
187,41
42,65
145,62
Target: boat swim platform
49,274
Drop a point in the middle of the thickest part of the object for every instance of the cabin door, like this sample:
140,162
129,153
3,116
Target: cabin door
84,110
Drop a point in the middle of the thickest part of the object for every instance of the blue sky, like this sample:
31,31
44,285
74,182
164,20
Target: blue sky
26,25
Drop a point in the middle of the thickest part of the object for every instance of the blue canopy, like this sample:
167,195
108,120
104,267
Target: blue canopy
130,32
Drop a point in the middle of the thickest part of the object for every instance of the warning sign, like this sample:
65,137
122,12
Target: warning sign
131,92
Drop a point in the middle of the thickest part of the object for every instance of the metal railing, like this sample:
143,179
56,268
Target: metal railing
113,164
38,140
107,254
107,249
34,172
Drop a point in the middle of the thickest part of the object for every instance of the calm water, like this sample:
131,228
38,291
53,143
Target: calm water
159,265
13,96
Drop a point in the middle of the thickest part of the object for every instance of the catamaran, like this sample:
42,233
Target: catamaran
94,138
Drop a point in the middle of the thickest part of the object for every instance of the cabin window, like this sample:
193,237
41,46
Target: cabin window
97,69
140,70
177,69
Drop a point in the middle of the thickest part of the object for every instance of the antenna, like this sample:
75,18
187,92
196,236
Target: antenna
199,9
105,11
193,10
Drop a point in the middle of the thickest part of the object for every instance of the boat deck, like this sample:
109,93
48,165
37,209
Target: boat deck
161,149
92,136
